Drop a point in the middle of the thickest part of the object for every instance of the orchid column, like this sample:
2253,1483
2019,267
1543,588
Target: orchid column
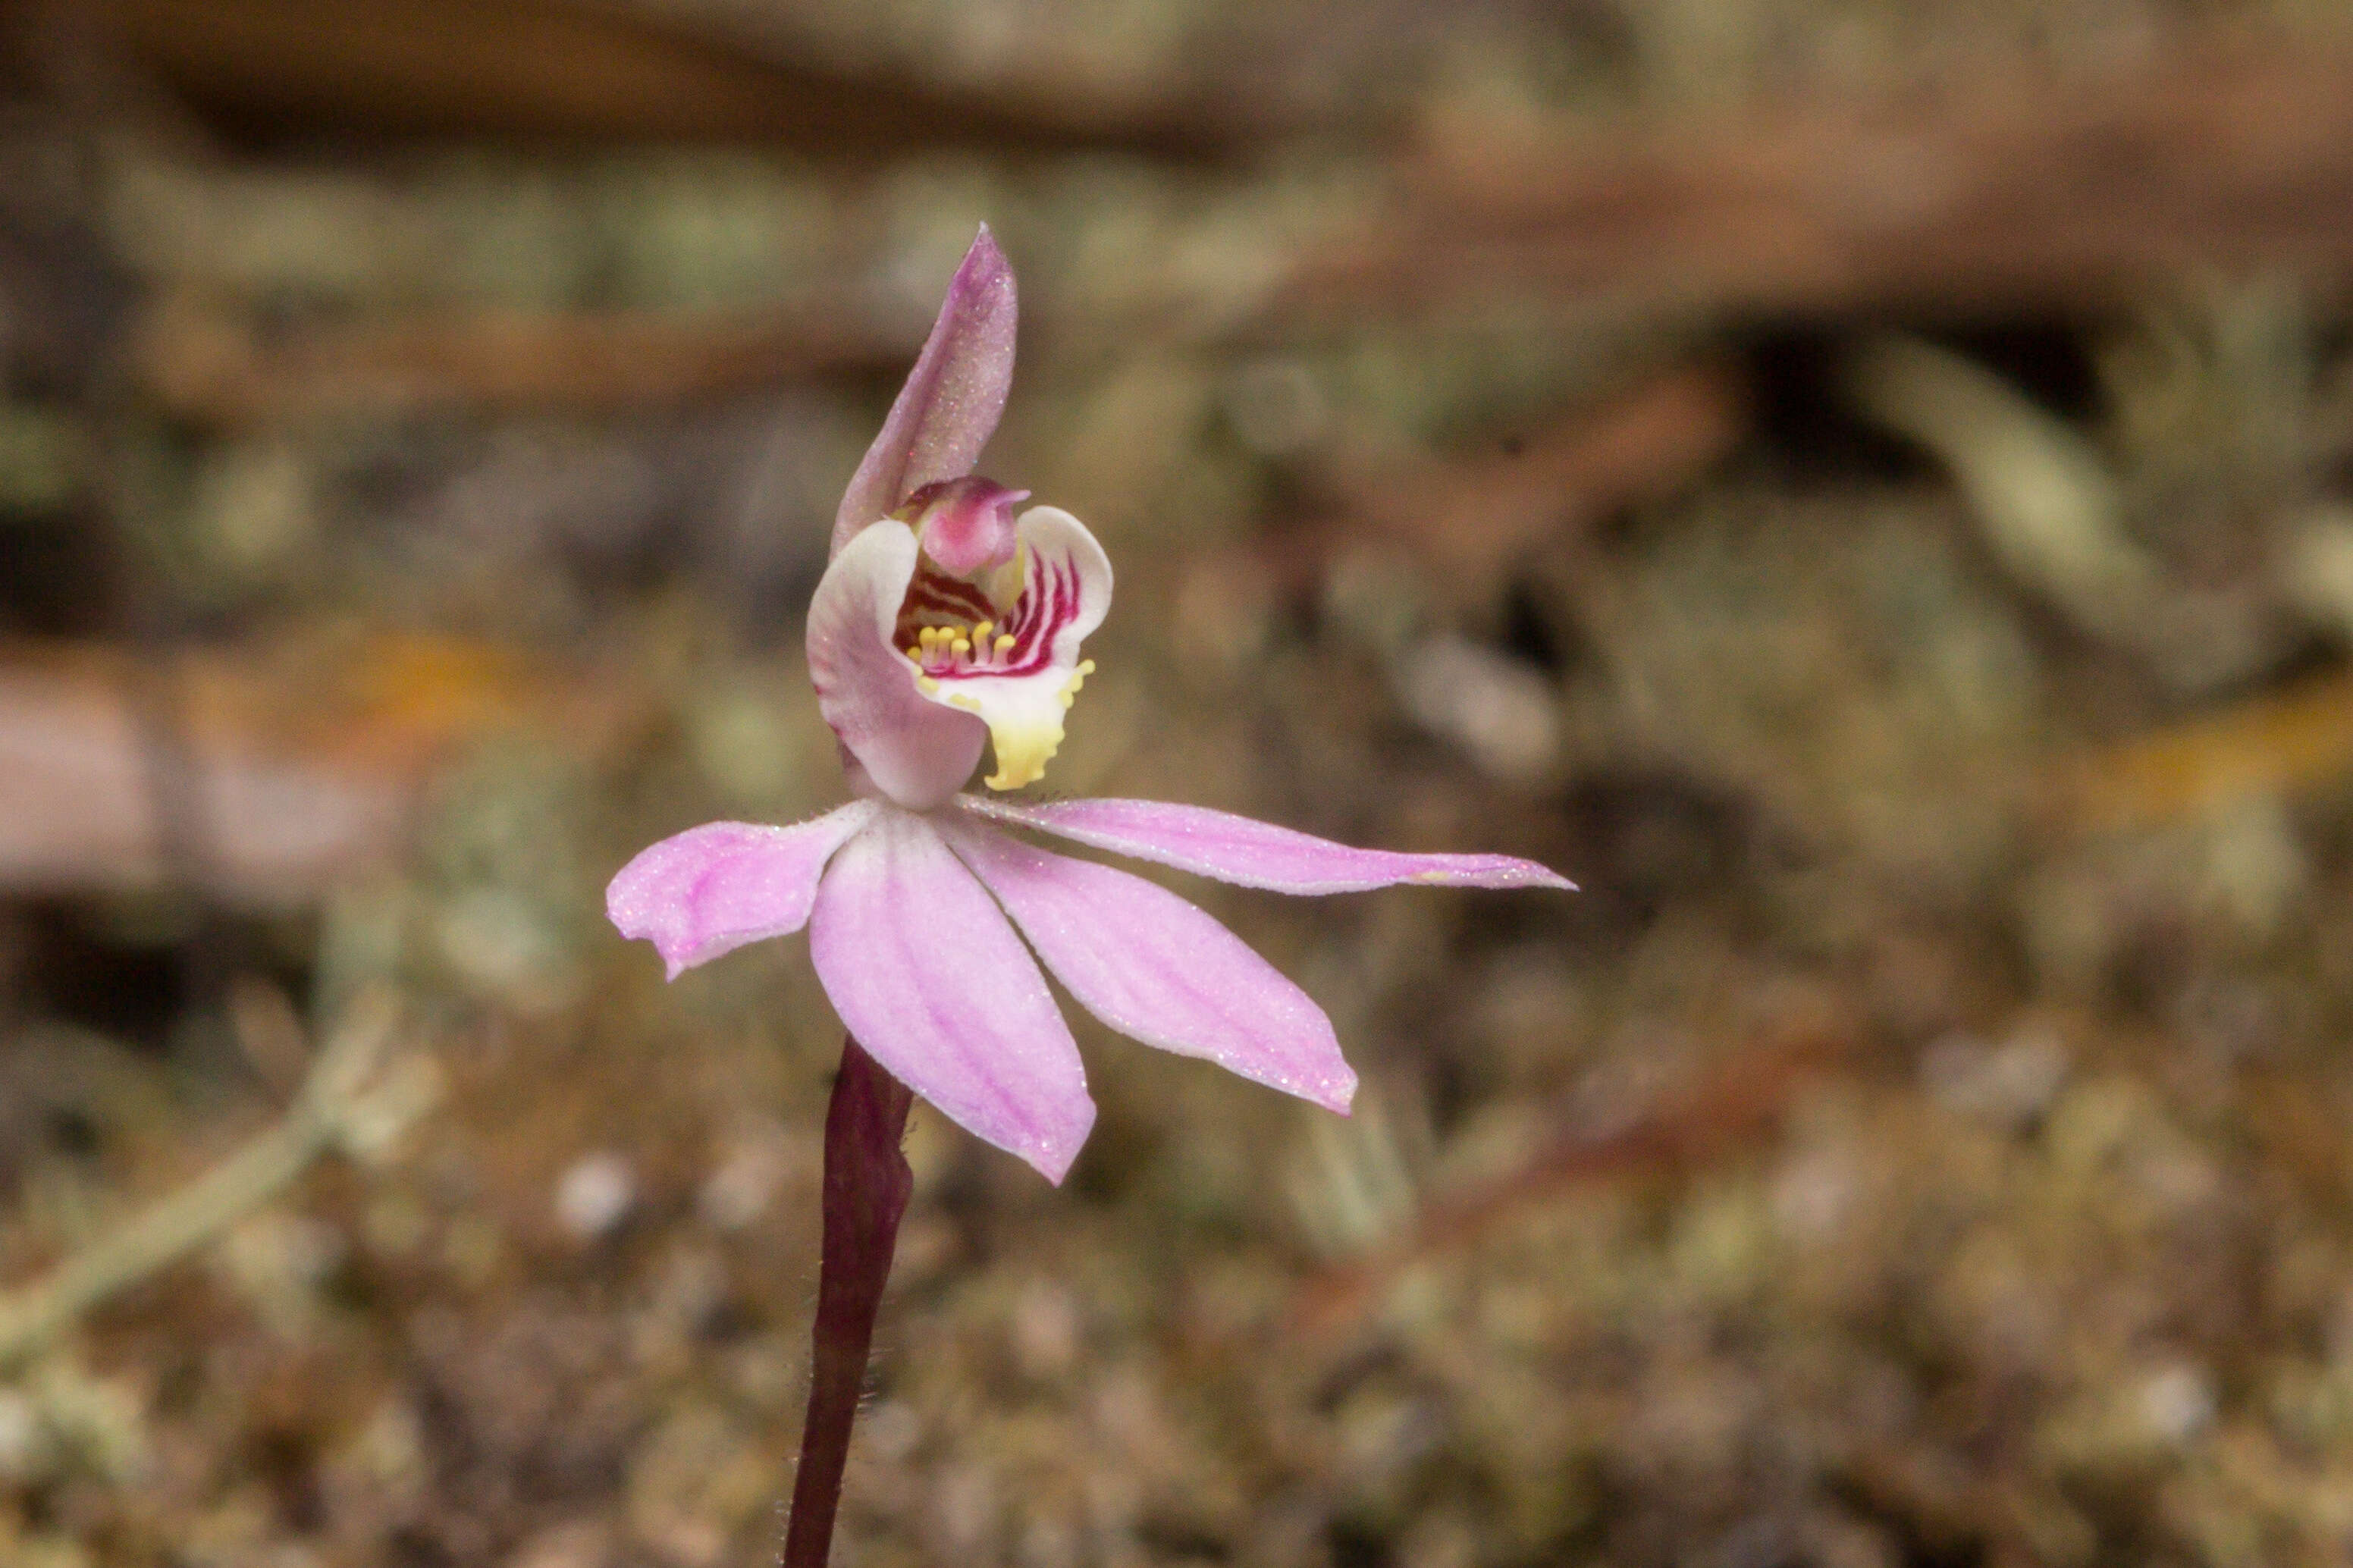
946,626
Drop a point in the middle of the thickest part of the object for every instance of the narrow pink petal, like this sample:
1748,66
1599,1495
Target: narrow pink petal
948,408
711,888
929,978
1256,854
1158,970
916,751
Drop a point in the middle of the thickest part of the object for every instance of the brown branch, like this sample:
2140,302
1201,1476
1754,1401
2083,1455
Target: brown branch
2280,743
1469,519
219,368
603,71
1741,1102
304,761
2005,189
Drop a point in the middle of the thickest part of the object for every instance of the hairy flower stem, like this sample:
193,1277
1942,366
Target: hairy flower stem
866,1186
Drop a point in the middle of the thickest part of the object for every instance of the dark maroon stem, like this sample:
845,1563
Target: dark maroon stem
866,1186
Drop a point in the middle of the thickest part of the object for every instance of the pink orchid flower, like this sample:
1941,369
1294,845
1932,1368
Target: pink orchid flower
945,623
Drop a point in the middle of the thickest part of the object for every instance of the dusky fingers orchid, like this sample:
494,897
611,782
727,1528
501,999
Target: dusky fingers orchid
945,624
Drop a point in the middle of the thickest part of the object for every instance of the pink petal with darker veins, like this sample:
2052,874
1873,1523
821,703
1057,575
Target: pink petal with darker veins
1157,970
916,751
711,888
1256,854
949,406
925,973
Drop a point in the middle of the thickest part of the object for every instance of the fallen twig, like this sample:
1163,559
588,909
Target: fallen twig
1469,520
2268,745
2009,188
306,761
222,369
347,1102
1745,1099
575,68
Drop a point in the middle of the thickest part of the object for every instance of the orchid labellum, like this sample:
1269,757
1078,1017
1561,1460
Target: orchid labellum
948,623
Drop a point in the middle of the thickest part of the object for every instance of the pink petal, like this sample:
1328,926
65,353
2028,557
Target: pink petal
1256,854
948,408
711,888
916,751
929,978
1158,970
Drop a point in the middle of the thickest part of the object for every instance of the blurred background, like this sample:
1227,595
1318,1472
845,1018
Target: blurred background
1865,487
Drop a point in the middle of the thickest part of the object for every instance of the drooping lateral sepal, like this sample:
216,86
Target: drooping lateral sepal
1157,970
922,967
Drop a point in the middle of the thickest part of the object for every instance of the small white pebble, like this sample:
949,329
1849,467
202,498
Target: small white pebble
2179,1402
890,1430
580,1543
1503,711
2008,1085
1046,1331
596,1195
22,1442
1812,1192
745,1183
